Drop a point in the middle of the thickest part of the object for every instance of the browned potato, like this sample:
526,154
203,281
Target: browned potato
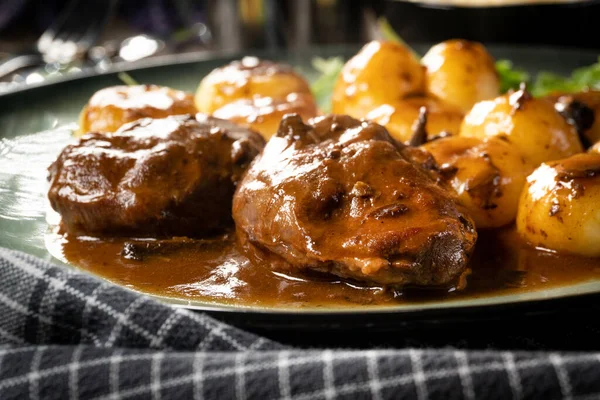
382,72
533,125
247,78
461,73
560,206
488,176
114,106
399,118
264,114
589,98
595,148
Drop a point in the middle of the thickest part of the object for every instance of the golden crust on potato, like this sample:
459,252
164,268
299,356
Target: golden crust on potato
461,73
532,124
559,207
487,175
399,118
264,114
245,79
110,108
382,72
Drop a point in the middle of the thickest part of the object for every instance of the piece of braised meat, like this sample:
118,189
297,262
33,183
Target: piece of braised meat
341,196
169,176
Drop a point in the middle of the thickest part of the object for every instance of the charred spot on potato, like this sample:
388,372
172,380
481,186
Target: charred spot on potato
448,171
566,175
406,77
518,99
578,115
554,209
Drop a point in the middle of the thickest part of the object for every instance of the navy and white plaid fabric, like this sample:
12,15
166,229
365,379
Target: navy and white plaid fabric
65,335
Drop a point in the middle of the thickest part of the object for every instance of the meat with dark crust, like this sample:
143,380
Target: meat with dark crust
341,196
169,176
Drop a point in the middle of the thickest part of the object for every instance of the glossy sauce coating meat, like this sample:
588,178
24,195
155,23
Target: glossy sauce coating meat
112,107
171,176
341,196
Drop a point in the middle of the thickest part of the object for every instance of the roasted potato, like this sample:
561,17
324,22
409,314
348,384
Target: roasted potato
399,118
382,72
595,148
532,124
245,79
263,114
487,175
461,73
110,108
559,208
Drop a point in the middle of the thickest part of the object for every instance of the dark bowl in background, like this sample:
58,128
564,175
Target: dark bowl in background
570,24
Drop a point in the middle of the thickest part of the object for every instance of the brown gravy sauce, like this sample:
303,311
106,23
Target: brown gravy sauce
221,274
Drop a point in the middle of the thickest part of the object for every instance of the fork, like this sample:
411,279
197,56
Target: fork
69,37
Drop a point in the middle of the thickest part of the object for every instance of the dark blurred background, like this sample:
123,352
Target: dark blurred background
68,35
198,24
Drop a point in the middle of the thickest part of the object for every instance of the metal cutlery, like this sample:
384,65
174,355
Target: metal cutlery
69,38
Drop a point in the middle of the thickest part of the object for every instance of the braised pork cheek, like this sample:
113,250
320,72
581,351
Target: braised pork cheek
168,176
341,196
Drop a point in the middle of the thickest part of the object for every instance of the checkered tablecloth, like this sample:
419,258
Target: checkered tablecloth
65,335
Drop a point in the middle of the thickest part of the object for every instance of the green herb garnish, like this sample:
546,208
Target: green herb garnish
510,77
127,79
581,79
322,87
388,33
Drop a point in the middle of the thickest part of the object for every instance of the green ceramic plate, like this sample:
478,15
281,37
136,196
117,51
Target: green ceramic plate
35,124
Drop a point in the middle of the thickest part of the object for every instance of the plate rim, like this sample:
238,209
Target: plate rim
214,307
